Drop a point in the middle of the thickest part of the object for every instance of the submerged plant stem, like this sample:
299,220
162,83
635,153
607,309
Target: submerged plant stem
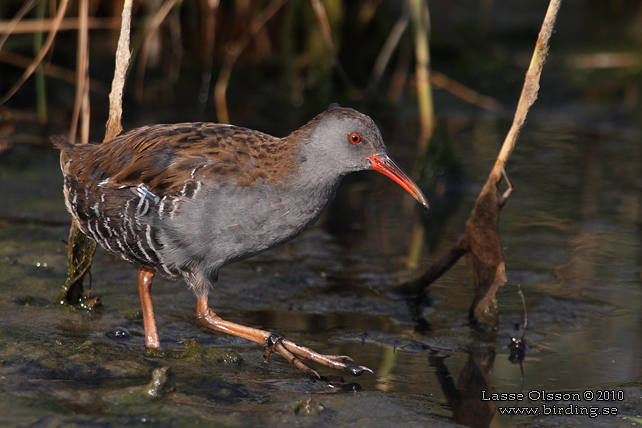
81,248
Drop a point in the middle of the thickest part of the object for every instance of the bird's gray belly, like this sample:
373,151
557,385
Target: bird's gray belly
230,223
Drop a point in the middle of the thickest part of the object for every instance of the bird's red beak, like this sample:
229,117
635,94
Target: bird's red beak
388,167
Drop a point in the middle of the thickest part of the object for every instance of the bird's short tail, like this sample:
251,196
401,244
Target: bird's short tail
62,143
66,148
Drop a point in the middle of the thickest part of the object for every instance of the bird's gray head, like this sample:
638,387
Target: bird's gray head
342,140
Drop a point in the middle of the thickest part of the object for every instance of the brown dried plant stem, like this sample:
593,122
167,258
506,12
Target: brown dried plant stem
41,90
441,81
152,27
43,51
50,70
123,56
9,28
82,75
234,52
26,26
481,241
531,86
80,248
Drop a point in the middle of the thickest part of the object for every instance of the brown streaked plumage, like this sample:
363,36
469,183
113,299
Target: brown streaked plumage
187,199
145,155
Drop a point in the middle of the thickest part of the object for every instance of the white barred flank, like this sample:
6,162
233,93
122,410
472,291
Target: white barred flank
198,188
161,207
142,208
124,253
124,228
172,214
130,251
140,246
148,235
93,235
107,227
74,202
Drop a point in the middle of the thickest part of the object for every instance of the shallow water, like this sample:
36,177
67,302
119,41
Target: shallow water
571,239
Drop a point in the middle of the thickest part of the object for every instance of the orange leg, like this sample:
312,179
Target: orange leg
292,352
145,276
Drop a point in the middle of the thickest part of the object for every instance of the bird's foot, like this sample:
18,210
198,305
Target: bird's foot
293,353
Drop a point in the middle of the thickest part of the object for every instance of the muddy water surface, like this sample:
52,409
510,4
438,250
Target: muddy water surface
571,239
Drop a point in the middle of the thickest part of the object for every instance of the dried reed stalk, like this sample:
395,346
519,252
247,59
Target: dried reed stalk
441,81
421,25
389,47
82,84
41,88
43,51
234,52
27,26
10,27
530,88
118,84
50,70
150,31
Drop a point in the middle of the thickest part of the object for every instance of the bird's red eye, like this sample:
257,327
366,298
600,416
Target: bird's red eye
355,138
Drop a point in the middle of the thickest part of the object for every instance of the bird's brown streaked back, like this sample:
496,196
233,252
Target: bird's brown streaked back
165,157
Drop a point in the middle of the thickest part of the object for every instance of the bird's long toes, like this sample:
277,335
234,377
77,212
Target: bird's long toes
276,343
292,359
339,358
355,370
294,353
334,361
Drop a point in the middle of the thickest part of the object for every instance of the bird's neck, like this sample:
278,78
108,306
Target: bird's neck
317,162
314,183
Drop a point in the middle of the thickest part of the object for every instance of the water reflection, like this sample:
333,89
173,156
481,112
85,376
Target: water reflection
465,396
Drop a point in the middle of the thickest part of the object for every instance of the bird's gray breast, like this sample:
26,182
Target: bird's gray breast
227,223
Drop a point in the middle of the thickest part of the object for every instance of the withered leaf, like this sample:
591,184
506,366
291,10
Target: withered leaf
485,257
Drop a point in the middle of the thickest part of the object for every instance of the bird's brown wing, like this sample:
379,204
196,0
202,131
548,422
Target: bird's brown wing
165,158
